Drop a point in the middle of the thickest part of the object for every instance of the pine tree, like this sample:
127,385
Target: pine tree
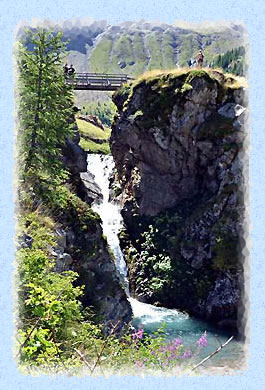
45,106
233,61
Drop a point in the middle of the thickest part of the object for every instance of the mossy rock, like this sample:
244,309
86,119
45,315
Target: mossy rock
226,255
121,95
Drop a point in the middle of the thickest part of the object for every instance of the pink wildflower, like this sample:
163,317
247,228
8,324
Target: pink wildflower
187,354
139,364
202,342
177,341
138,334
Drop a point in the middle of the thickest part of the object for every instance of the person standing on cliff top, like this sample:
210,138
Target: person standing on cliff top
199,59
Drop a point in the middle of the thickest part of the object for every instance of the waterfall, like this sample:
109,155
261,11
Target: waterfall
146,315
102,167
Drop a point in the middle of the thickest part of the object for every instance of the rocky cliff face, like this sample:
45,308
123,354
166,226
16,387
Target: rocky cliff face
82,247
177,144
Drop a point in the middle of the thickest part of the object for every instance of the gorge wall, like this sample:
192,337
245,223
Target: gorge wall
83,248
177,144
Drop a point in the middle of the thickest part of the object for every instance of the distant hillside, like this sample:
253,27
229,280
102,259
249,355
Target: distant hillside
133,48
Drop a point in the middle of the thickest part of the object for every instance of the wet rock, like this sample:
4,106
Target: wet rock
75,251
74,157
82,248
228,324
92,190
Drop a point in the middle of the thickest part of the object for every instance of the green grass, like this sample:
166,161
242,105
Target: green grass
189,49
93,147
87,130
130,47
187,74
90,134
123,51
139,50
154,44
99,59
168,51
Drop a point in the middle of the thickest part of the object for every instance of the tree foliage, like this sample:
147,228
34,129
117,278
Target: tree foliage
104,111
49,309
233,61
44,105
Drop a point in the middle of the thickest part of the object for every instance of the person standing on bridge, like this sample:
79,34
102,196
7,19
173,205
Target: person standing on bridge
65,70
71,70
199,59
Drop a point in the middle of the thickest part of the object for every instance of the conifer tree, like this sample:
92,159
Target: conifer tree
233,61
45,106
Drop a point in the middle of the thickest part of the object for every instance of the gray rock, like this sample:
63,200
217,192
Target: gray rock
223,299
25,241
122,64
63,262
61,238
231,110
93,191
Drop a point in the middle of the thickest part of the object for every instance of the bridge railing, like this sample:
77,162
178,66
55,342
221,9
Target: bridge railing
97,80
120,75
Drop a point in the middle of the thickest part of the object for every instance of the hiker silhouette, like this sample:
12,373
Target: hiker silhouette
199,59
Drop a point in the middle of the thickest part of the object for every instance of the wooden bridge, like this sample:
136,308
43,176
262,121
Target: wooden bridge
97,81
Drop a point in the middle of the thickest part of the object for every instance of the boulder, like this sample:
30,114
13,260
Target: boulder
92,190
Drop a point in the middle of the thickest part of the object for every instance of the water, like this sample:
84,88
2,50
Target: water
101,167
147,316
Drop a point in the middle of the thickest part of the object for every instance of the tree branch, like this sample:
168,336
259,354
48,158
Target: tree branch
212,354
102,349
83,359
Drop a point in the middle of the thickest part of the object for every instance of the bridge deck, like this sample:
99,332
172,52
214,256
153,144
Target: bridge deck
97,81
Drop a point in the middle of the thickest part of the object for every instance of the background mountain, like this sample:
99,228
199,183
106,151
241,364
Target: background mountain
135,47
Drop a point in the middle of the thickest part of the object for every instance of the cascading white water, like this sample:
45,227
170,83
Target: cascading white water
101,167
146,315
